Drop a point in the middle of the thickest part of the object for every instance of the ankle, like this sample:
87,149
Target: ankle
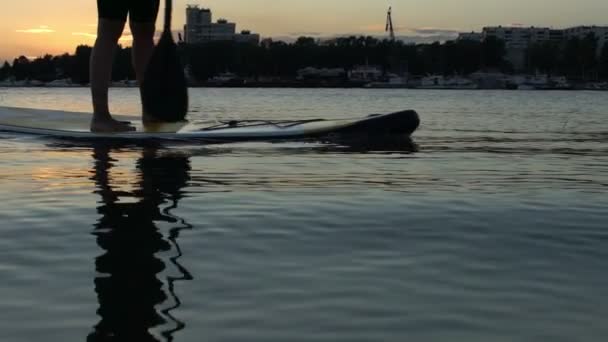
102,116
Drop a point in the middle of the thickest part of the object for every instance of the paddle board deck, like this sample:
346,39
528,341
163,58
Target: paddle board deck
74,125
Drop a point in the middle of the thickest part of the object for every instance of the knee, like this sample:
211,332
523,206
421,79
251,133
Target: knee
141,41
107,38
143,31
109,32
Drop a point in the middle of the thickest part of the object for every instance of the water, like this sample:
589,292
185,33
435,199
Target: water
494,230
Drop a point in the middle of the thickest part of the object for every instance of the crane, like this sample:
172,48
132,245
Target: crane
389,24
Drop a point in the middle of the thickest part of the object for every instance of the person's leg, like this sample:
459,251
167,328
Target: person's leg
143,47
142,20
102,58
112,18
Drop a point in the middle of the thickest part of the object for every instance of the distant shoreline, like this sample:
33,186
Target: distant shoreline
302,86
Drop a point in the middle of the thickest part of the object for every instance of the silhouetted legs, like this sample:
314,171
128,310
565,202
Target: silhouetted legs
143,47
102,58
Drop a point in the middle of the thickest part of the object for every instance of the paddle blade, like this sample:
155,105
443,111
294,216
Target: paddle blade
164,91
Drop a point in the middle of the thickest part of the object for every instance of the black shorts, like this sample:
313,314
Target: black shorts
141,11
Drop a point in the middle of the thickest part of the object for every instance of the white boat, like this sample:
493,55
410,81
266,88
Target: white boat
224,77
541,82
365,73
459,83
60,83
432,82
441,82
393,81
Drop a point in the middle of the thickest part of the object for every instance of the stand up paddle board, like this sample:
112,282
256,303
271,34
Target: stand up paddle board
74,125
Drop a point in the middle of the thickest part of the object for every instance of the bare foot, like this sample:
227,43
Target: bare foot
109,125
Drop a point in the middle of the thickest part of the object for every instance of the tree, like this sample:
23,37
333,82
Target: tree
122,68
80,66
462,56
580,56
21,68
493,52
433,58
5,71
543,57
43,69
603,62
306,42
575,57
63,66
588,54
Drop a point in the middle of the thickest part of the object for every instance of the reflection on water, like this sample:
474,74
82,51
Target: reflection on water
128,286
493,230
342,144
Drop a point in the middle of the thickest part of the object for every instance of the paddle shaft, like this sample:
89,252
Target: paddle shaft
168,15
165,90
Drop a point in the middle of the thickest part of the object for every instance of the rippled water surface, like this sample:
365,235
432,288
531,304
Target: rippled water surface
493,229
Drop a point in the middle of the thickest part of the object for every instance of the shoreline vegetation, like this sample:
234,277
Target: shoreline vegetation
593,86
349,62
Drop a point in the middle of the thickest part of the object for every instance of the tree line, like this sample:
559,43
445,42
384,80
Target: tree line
575,58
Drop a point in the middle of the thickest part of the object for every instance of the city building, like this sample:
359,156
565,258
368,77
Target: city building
518,39
522,37
200,28
600,32
474,36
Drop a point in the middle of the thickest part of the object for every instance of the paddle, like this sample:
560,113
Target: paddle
164,90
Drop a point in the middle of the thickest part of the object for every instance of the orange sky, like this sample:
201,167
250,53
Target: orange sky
34,27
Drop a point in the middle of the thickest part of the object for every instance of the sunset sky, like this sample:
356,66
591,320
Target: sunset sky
35,27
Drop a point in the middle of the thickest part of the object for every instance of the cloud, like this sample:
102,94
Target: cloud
381,28
422,31
125,37
84,34
374,28
42,29
304,34
434,31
